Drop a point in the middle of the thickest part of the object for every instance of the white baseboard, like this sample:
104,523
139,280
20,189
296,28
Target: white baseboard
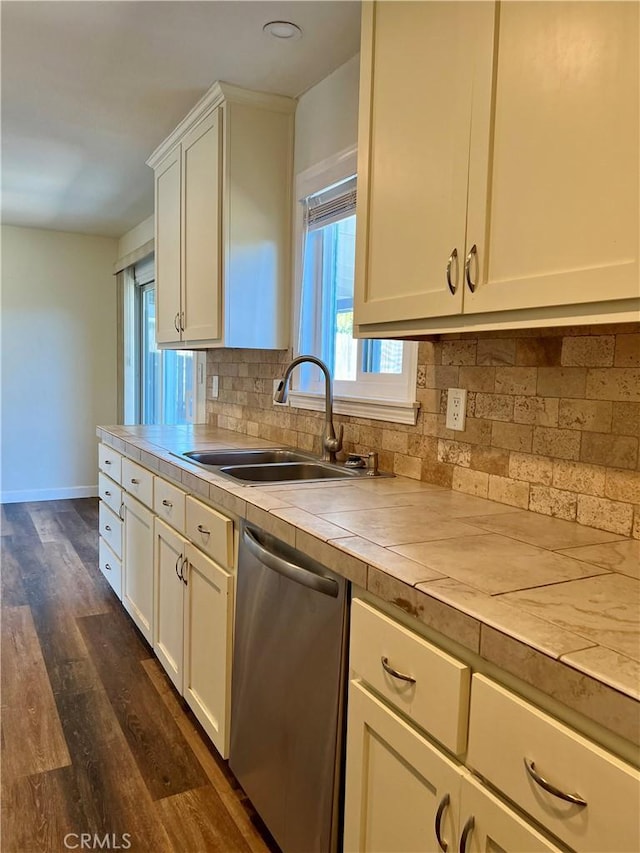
30,495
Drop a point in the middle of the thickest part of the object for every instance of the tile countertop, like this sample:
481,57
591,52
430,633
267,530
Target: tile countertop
554,603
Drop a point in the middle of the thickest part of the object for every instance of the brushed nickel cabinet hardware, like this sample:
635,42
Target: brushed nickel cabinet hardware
550,788
452,257
473,253
394,672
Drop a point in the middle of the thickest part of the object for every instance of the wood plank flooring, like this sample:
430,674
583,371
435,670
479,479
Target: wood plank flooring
95,739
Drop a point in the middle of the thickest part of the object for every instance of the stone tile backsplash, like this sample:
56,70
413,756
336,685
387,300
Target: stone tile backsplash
553,419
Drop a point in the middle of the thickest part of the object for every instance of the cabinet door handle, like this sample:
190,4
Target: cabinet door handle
466,832
179,570
167,503
182,321
204,530
120,511
183,574
107,567
452,257
394,672
550,788
473,253
175,322
444,802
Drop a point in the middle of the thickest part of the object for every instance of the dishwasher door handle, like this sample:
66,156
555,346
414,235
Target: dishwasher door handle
327,586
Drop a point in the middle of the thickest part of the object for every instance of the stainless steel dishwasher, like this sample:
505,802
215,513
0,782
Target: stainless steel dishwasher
289,676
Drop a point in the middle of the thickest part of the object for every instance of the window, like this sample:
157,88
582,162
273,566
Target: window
164,386
372,378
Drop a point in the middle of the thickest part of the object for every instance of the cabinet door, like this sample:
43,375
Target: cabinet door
397,783
137,582
201,230
488,826
208,632
417,63
167,252
168,628
553,187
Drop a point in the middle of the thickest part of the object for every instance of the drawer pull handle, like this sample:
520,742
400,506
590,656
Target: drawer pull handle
135,482
466,832
166,503
444,802
107,567
107,492
539,780
394,672
204,530
107,462
107,527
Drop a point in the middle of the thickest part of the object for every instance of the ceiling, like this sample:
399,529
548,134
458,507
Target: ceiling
89,89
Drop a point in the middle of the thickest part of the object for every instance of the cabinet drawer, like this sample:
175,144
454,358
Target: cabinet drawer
210,531
110,462
111,567
169,503
110,492
505,732
111,529
138,482
438,699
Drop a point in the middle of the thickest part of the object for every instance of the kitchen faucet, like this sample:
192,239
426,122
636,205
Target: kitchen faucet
331,443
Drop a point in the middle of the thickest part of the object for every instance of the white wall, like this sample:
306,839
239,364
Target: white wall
327,117
58,360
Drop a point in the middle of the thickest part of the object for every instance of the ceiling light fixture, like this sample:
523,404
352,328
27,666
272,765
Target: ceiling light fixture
282,30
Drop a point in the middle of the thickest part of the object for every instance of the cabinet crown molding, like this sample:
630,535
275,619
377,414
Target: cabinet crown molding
217,94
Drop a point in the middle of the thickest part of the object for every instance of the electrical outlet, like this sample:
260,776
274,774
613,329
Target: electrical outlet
214,387
456,408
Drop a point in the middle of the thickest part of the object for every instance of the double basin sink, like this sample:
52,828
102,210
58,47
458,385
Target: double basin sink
270,465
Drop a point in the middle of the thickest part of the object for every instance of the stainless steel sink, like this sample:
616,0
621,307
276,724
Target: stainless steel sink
255,466
259,456
287,472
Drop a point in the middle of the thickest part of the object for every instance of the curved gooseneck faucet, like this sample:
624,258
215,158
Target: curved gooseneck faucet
331,443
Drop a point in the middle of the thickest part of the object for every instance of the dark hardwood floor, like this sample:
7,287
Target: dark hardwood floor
95,740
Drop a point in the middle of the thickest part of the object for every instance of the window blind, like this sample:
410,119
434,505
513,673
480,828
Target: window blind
330,205
144,270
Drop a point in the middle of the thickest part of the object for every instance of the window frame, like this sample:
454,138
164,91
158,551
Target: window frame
398,409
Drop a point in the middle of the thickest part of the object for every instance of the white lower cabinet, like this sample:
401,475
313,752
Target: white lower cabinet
396,781
169,560
501,776
193,629
404,794
180,597
110,566
137,565
208,637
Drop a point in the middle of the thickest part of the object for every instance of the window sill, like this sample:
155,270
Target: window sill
398,412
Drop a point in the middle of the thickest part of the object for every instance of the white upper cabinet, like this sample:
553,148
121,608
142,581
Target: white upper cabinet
222,209
498,165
